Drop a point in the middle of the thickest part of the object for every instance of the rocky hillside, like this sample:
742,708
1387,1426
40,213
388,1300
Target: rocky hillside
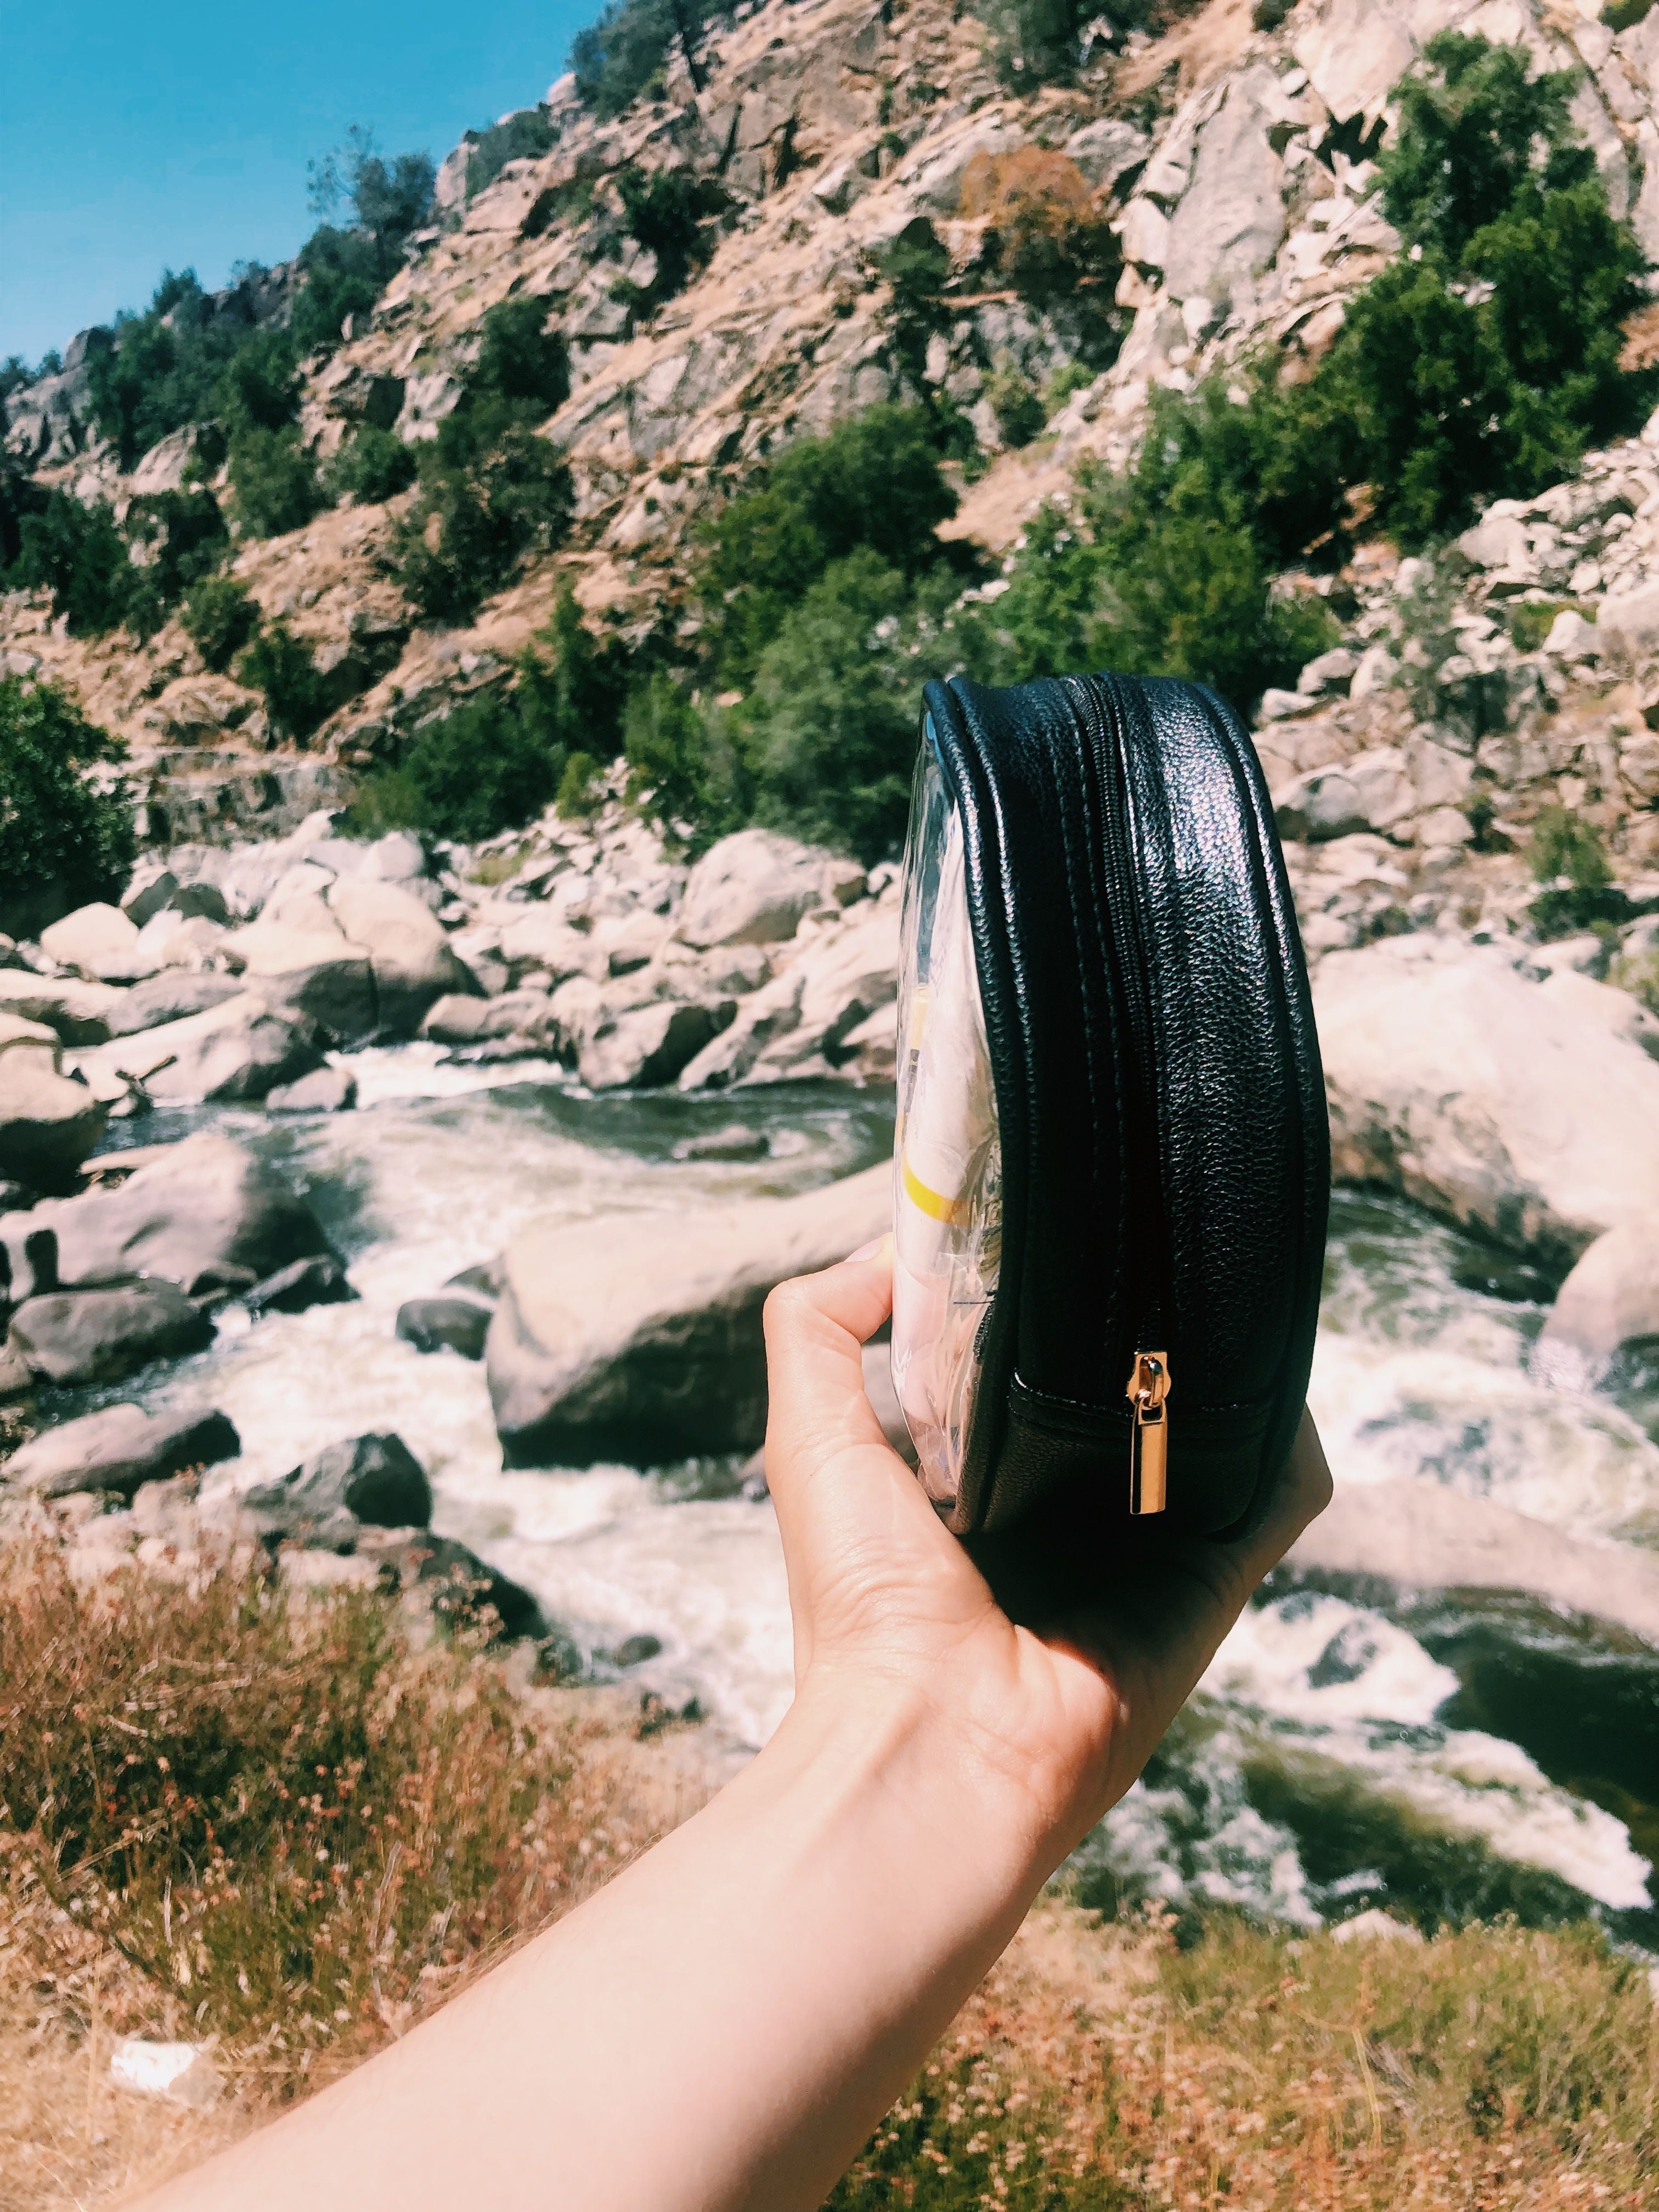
1214,188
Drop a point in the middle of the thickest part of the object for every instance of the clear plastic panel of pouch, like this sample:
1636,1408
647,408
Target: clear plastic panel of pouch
947,1160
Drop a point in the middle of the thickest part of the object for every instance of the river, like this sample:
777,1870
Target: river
1344,1750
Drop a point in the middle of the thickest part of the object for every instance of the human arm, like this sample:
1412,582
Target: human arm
719,2029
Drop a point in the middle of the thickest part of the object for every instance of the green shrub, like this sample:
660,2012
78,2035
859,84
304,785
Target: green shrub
832,718
496,759
624,55
485,767
179,537
77,554
1071,376
495,490
674,760
61,835
578,794
875,480
1470,136
520,361
298,696
1015,403
372,466
523,135
1569,859
672,214
1037,42
485,513
219,618
273,483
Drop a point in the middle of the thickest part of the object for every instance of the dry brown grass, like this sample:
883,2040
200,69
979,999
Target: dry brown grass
272,1824
1101,2069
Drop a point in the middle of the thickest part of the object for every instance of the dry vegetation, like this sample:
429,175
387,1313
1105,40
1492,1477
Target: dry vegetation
282,1827
272,1824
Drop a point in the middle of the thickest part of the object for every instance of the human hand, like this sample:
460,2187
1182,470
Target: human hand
890,1609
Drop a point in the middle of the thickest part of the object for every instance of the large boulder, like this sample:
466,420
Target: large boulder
303,965
98,941
80,1013
48,1124
752,889
541,940
648,1046
240,1050
409,955
372,1480
1457,1080
843,982
105,1336
638,1336
173,995
120,1449
204,1214
1230,219
1610,1300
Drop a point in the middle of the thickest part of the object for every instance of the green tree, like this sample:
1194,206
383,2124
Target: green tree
832,718
1471,134
480,770
66,830
77,554
520,360
673,213
297,696
273,483
219,618
624,55
372,466
178,537
876,480
573,694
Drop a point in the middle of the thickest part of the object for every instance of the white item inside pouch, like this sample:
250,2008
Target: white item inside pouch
947,1194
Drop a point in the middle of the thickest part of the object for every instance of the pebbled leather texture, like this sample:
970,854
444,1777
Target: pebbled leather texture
1165,1148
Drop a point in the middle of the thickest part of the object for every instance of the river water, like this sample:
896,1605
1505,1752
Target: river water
1341,1752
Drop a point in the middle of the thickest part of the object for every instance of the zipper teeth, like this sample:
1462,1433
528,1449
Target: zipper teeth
1145,1326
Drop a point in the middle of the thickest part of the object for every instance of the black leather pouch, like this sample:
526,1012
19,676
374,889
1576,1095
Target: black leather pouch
1112,1165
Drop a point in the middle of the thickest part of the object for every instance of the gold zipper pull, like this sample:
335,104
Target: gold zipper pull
1149,1440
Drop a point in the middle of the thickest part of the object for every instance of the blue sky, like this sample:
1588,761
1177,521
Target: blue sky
138,137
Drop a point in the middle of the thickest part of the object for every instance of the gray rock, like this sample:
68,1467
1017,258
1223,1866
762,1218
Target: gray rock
1522,1110
240,1049
1230,220
97,941
648,1046
173,995
302,964
410,957
80,1013
1627,622
1328,671
48,1122
105,1336
632,1651
375,1480
466,1591
302,1284
194,1210
736,1141
120,1449
326,1090
750,889
441,1324
1610,1301
639,1337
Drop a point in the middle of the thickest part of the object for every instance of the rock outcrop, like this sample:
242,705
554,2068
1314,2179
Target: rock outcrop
48,1124
638,1337
1457,1080
204,1214
120,1449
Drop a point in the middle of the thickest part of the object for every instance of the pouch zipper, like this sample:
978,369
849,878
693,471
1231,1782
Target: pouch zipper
1149,1381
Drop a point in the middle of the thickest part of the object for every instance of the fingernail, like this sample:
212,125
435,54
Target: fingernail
867,1251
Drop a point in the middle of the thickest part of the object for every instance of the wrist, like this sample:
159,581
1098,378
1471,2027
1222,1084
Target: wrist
864,1748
